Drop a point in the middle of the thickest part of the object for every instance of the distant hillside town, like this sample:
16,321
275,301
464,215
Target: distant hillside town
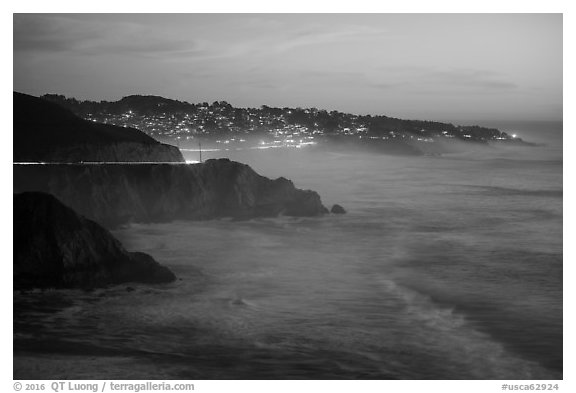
183,123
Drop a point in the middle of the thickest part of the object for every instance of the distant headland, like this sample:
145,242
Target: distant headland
223,125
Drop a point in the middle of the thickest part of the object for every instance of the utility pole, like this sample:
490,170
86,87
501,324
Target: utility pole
200,149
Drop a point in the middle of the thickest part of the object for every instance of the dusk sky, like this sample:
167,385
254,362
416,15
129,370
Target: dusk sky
449,67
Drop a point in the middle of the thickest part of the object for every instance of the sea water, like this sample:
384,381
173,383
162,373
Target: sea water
443,268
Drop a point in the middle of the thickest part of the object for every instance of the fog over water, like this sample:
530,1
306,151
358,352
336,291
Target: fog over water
444,267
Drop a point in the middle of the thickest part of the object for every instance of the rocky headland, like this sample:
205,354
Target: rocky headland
55,247
114,194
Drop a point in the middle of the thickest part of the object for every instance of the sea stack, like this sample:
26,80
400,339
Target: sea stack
337,209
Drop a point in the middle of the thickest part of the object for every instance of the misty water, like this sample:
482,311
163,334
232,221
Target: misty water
443,268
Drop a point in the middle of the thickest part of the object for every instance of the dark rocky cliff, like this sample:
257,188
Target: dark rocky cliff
46,132
55,247
111,152
115,194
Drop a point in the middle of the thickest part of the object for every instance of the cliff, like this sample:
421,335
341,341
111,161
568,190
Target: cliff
111,152
46,132
55,247
116,194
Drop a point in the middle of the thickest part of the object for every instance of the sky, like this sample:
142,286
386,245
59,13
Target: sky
447,67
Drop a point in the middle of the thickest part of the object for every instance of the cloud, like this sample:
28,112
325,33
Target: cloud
288,38
103,34
442,79
340,35
470,78
389,85
36,33
55,33
330,74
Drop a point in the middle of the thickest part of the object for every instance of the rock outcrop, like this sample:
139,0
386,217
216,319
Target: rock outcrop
46,132
115,194
55,247
337,209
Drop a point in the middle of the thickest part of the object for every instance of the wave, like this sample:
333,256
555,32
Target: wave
443,330
508,191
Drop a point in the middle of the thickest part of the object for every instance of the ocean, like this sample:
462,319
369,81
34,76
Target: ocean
444,267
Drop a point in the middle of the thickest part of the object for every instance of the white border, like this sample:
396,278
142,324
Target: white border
436,6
